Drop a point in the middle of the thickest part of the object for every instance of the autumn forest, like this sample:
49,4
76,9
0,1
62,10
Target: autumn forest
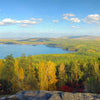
73,72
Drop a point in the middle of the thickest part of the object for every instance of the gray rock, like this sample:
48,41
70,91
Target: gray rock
55,97
51,95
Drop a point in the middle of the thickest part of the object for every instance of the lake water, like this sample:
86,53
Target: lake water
18,50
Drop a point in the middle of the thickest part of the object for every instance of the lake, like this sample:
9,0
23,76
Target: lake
17,50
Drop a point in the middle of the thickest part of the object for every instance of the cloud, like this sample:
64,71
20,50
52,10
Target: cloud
25,25
27,22
9,21
70,17
75,27
75,20
93,18
39,19
67,16
32,18
55,21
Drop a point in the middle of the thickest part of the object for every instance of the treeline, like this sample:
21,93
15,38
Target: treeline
78,45
71,44
72,74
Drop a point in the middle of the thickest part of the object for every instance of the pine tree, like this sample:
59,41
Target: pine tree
75,70
23,62
31,80
62,75
8,69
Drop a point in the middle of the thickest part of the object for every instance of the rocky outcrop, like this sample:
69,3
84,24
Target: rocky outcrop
51,95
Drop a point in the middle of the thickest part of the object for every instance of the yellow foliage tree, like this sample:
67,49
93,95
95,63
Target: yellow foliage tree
1,66
96,69
15,79
16,68
21,73
42,76
51,75
47,76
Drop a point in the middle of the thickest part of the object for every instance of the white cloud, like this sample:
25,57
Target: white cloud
33,19
38,19
9,21
70,17
75,20
94,18
55,21
67,16
28,22
75,27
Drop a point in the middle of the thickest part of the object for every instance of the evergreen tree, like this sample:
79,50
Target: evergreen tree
62,75
76,72
31,80
8,69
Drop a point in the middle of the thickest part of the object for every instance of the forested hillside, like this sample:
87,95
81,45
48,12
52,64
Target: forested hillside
74,72
79,43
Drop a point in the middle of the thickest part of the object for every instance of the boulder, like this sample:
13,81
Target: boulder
51,95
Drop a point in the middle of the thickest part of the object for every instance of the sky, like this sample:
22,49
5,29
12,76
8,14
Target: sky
49,18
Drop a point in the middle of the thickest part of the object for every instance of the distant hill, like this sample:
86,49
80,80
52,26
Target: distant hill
36,39
47,40
82,37
42,39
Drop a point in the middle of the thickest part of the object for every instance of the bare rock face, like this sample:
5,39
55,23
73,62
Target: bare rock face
51,95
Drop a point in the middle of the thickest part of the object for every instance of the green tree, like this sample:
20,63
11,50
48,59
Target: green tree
31,80
8,69
75,71
23,62
92,84
62,75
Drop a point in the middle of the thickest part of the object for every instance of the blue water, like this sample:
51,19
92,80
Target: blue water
18,50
